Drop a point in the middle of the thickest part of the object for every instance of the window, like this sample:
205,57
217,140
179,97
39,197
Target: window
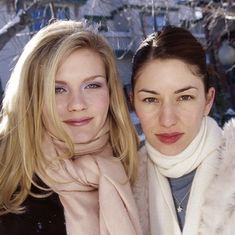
42,15
152,23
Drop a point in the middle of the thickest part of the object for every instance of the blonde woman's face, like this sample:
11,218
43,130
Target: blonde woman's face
82,95
170,102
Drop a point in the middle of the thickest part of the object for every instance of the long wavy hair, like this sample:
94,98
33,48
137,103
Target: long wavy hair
31,87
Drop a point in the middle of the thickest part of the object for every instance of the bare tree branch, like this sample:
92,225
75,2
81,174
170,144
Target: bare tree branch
22,19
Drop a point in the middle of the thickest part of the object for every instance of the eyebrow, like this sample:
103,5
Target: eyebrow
176,92
185,89
85,80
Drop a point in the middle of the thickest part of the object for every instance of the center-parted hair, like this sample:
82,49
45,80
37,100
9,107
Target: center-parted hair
172,43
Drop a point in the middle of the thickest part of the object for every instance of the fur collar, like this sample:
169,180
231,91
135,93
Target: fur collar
140,191
219,207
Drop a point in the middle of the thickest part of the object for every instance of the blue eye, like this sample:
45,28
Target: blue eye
59,90
93,86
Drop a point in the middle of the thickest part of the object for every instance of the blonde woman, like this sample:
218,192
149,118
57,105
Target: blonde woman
67,146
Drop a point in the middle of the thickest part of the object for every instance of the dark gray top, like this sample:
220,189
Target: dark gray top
180,188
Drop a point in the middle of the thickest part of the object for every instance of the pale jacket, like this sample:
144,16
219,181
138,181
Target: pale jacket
219,207
140,191
218,210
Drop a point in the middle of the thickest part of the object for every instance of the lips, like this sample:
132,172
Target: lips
169,138
78,122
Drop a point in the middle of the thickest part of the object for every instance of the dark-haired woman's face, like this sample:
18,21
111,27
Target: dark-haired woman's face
170,102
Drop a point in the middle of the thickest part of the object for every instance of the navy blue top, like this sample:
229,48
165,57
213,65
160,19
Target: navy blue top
180,188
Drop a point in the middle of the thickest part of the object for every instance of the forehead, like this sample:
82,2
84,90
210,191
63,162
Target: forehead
167,73
81,63
81,56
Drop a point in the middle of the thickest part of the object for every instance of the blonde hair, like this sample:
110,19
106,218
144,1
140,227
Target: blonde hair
31,86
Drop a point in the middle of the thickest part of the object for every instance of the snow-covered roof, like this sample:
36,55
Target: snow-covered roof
106,7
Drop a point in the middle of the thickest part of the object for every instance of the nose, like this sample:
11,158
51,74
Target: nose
77,102
167,115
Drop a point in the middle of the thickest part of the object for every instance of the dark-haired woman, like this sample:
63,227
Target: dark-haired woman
172,98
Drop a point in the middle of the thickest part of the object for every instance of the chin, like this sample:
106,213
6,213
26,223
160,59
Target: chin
81,139
169,151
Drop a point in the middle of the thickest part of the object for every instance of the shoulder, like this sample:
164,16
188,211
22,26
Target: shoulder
42,216
140,190
142,155
220,194
229,133
227,150
142,168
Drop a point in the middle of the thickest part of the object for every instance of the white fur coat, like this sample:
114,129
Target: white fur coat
218,211
219,207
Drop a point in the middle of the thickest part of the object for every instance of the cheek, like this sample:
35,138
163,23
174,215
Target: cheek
145,112
139,112
146,119
197,118
199,111
101,102
192,122
60,107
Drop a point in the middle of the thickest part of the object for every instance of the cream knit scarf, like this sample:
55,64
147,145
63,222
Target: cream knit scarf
200,154
93,188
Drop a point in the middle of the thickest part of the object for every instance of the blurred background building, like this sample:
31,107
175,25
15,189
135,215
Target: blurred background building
125,23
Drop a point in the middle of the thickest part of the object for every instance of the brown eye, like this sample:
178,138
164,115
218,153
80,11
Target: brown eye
185,98
150,100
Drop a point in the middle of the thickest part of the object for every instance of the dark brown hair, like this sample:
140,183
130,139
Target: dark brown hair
172,43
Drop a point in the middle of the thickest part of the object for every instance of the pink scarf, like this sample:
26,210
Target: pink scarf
93,189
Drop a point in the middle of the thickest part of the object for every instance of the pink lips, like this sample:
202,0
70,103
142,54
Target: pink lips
78,122
169,138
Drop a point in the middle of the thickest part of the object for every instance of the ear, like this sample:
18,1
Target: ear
210,96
